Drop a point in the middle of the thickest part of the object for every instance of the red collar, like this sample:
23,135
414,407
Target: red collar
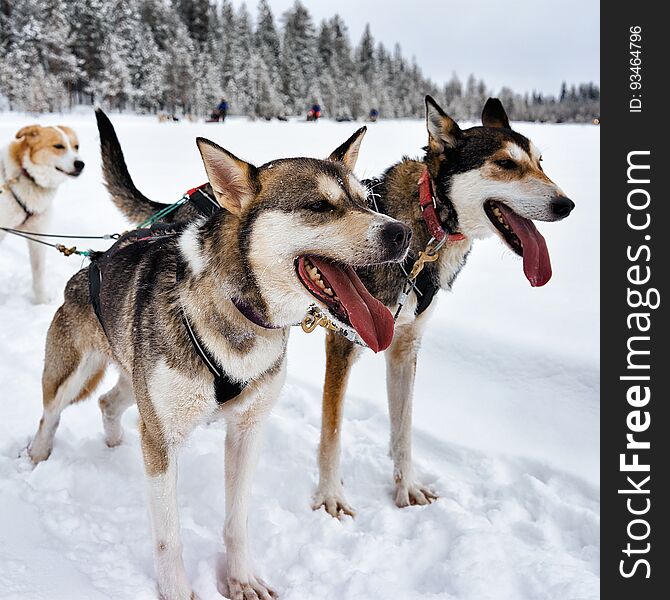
429,212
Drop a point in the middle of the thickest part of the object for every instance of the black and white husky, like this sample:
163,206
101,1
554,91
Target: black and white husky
484,181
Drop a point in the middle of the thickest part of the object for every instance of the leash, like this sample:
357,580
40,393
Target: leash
439,237
204,204
33,236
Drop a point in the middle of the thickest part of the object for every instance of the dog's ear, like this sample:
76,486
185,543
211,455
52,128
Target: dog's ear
27,131
494,115
347,153
233,181
443,131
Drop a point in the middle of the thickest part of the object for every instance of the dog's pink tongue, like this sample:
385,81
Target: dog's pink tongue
536,263
368,316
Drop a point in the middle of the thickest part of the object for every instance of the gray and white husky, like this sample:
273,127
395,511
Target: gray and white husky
220,293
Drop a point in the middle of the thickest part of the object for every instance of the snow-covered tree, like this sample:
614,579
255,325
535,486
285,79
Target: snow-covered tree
299,59
182,55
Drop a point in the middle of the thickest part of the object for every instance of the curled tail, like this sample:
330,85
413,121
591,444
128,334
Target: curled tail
128,199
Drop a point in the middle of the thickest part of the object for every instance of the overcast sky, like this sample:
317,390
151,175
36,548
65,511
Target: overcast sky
525,44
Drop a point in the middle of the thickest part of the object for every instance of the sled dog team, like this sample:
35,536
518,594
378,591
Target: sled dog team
196,310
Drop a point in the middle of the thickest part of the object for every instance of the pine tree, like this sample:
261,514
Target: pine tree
299,63
195,15
266,39
180,74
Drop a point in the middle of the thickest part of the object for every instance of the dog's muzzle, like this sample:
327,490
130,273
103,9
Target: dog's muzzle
561,206
396,238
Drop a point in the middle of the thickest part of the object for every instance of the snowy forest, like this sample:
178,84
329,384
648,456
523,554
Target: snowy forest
183,56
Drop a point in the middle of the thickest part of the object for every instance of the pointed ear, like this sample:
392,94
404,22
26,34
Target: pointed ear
347,153
443,131
233,181
27,131
494,115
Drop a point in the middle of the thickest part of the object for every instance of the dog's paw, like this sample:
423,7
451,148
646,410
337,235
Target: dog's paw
252,589
113,435
334,504
113,442
38,453
413,494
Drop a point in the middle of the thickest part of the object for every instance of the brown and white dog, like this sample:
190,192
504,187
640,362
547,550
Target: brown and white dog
31,168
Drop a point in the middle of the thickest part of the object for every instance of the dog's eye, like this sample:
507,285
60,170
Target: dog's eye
59,146
540,159
320,206
76,147
506,164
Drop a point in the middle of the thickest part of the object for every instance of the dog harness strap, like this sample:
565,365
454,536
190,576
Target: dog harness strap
203,201
28,176
7,186
94,285
23,206
426,290
225,389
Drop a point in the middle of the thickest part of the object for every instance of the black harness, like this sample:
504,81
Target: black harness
7,185
424,287
203,201
225,389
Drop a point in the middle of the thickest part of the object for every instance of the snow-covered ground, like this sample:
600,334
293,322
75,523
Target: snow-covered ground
506,414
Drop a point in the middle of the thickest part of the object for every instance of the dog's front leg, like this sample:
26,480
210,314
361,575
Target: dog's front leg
243,439
160,463
400,372
38,224
340,357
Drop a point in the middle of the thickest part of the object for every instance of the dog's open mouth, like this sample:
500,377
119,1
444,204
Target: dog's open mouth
343,293
76,173
522,237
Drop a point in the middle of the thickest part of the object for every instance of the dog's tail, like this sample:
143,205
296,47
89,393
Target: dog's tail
135,206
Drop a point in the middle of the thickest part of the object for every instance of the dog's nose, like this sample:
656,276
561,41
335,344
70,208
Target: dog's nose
396,236
79,165
562,206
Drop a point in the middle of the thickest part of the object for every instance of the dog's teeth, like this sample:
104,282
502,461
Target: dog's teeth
321,284
328,291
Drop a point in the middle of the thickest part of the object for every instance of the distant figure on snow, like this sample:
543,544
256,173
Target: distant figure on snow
219,113
374,115
314,113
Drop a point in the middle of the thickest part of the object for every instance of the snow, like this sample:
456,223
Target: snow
506,413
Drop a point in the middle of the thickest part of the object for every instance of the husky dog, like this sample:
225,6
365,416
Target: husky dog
485,181
191,314
31,168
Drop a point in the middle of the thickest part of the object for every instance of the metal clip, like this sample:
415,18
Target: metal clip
430,254
315,318
65,250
